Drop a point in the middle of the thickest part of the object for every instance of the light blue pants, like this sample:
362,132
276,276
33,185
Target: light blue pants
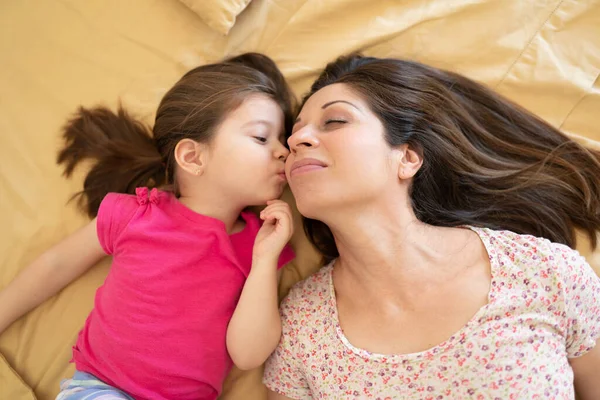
85,386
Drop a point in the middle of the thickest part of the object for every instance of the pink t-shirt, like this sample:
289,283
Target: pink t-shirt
158,327
544,308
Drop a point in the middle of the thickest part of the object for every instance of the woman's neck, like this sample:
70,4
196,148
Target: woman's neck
390,249
371,238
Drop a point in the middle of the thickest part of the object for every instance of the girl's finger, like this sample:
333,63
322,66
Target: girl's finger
281,217
274,202
275,210
278,206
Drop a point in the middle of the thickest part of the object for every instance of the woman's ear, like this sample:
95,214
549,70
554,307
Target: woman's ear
191,156
410,161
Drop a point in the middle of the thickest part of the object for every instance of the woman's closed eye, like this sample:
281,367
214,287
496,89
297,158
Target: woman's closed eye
335,121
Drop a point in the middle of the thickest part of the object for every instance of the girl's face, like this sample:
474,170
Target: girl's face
339,157
246,158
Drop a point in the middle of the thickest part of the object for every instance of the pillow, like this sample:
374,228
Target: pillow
220,15
11,384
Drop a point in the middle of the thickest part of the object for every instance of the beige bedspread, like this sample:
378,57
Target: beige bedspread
57,54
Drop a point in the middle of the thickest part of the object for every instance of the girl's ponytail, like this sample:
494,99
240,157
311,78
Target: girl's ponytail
123,154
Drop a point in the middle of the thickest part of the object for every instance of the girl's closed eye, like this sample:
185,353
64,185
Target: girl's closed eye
261,139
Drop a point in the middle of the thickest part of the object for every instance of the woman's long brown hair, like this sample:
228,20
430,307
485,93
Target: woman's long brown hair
127,154
487,162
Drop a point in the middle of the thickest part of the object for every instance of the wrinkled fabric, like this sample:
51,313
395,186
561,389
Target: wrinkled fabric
56,55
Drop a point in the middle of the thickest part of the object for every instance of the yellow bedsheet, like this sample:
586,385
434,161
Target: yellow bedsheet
55,55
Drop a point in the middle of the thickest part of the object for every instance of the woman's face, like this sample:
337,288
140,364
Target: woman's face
339,157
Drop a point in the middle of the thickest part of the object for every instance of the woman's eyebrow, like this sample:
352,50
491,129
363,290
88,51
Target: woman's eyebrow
338,101
324,106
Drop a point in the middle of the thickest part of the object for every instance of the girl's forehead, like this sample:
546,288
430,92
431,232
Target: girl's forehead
260,104
256,110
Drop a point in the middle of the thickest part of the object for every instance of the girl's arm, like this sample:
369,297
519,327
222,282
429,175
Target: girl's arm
255,328
49,273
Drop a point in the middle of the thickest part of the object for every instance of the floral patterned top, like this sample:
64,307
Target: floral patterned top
544,308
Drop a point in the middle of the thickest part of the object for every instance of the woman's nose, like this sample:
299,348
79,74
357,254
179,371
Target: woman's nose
302,138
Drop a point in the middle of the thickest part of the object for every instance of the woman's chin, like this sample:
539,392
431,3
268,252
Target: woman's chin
313,209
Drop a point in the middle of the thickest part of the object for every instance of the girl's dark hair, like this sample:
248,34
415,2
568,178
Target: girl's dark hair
127,154
487,162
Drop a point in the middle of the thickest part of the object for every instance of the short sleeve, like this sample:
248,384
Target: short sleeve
283,371
115,212
581,288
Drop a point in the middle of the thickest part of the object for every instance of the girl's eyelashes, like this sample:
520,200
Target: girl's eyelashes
261,139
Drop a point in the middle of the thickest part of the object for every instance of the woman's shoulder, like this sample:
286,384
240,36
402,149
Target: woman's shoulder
312,293
531,253
522,244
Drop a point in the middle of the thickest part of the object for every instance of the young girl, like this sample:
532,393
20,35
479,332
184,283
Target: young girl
167,322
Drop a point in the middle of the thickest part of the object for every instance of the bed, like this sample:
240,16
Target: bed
58,54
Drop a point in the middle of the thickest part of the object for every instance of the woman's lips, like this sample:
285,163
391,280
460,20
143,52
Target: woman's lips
306,165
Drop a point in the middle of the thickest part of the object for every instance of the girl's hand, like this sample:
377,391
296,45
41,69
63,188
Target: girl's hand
275,232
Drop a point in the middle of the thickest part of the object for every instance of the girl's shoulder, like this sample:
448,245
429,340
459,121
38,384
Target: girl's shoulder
117,211
143,197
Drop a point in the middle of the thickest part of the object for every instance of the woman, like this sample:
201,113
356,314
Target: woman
446,212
